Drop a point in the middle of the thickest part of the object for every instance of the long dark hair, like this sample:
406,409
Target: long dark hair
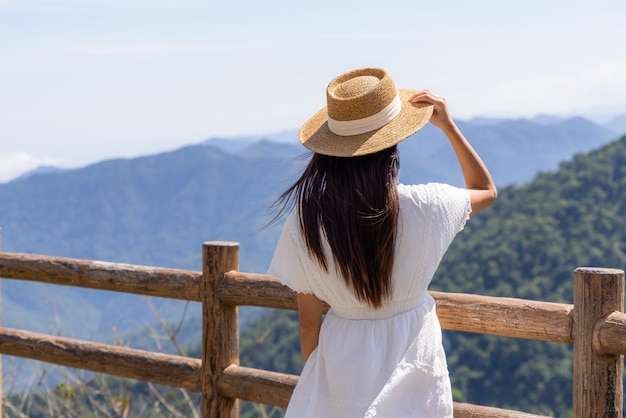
353,202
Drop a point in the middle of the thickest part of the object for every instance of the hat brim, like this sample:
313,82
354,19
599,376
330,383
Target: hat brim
317,137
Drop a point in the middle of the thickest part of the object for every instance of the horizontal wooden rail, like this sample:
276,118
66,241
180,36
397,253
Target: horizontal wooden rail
120,277
509,317
273,388
610,334
597,318
251,289
166,369
466,410
257,385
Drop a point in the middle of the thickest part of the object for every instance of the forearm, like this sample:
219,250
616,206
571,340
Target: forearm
475,172
309,338
478,181
310,317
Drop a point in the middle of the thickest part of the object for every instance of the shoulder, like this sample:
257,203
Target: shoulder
292,225
430,193
292,218
417,193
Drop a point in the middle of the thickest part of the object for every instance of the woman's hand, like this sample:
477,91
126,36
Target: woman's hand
478,181
440,117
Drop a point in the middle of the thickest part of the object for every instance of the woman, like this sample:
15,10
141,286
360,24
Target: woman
369,247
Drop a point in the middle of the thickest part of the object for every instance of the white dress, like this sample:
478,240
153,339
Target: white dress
386,362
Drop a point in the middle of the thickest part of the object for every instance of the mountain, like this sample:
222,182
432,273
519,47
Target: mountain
528,245
157,210
240,143
43,169
153,210
617,124
515,150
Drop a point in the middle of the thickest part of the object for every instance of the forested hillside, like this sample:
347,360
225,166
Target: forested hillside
527,245
157,210
154,210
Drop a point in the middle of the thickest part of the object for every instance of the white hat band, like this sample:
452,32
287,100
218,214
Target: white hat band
367,124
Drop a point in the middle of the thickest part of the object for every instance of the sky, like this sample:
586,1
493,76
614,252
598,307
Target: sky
87,80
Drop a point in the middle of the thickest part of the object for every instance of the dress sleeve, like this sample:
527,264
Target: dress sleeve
287,262
450,209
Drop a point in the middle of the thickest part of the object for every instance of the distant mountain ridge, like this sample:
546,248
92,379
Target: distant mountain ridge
478,125
514,149
617,124
158,209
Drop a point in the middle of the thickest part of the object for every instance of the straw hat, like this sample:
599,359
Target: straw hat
365,113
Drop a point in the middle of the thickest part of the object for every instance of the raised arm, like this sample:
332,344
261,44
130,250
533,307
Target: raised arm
478,181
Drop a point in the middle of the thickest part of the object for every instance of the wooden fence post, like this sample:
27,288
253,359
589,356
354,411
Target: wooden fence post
597,381
220,329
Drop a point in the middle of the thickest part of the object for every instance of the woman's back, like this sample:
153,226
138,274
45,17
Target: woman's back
429,217
369,358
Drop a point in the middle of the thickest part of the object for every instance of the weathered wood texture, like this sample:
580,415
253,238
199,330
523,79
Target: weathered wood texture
465,410
166,369
142,280
276,388
609,336
508,317
252,289
597,383
256,385
220,329
596,327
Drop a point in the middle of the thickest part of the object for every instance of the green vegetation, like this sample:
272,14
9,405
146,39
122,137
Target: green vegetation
271,343
526,246
103,396
158,210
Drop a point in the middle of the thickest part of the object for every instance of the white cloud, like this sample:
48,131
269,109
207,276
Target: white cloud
599,86
18,163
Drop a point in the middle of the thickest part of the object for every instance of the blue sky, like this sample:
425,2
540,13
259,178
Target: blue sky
86,80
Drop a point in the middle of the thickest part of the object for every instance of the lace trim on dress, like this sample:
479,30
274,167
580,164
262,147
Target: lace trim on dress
299,290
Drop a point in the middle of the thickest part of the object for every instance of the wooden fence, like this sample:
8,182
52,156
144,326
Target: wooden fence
595,324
